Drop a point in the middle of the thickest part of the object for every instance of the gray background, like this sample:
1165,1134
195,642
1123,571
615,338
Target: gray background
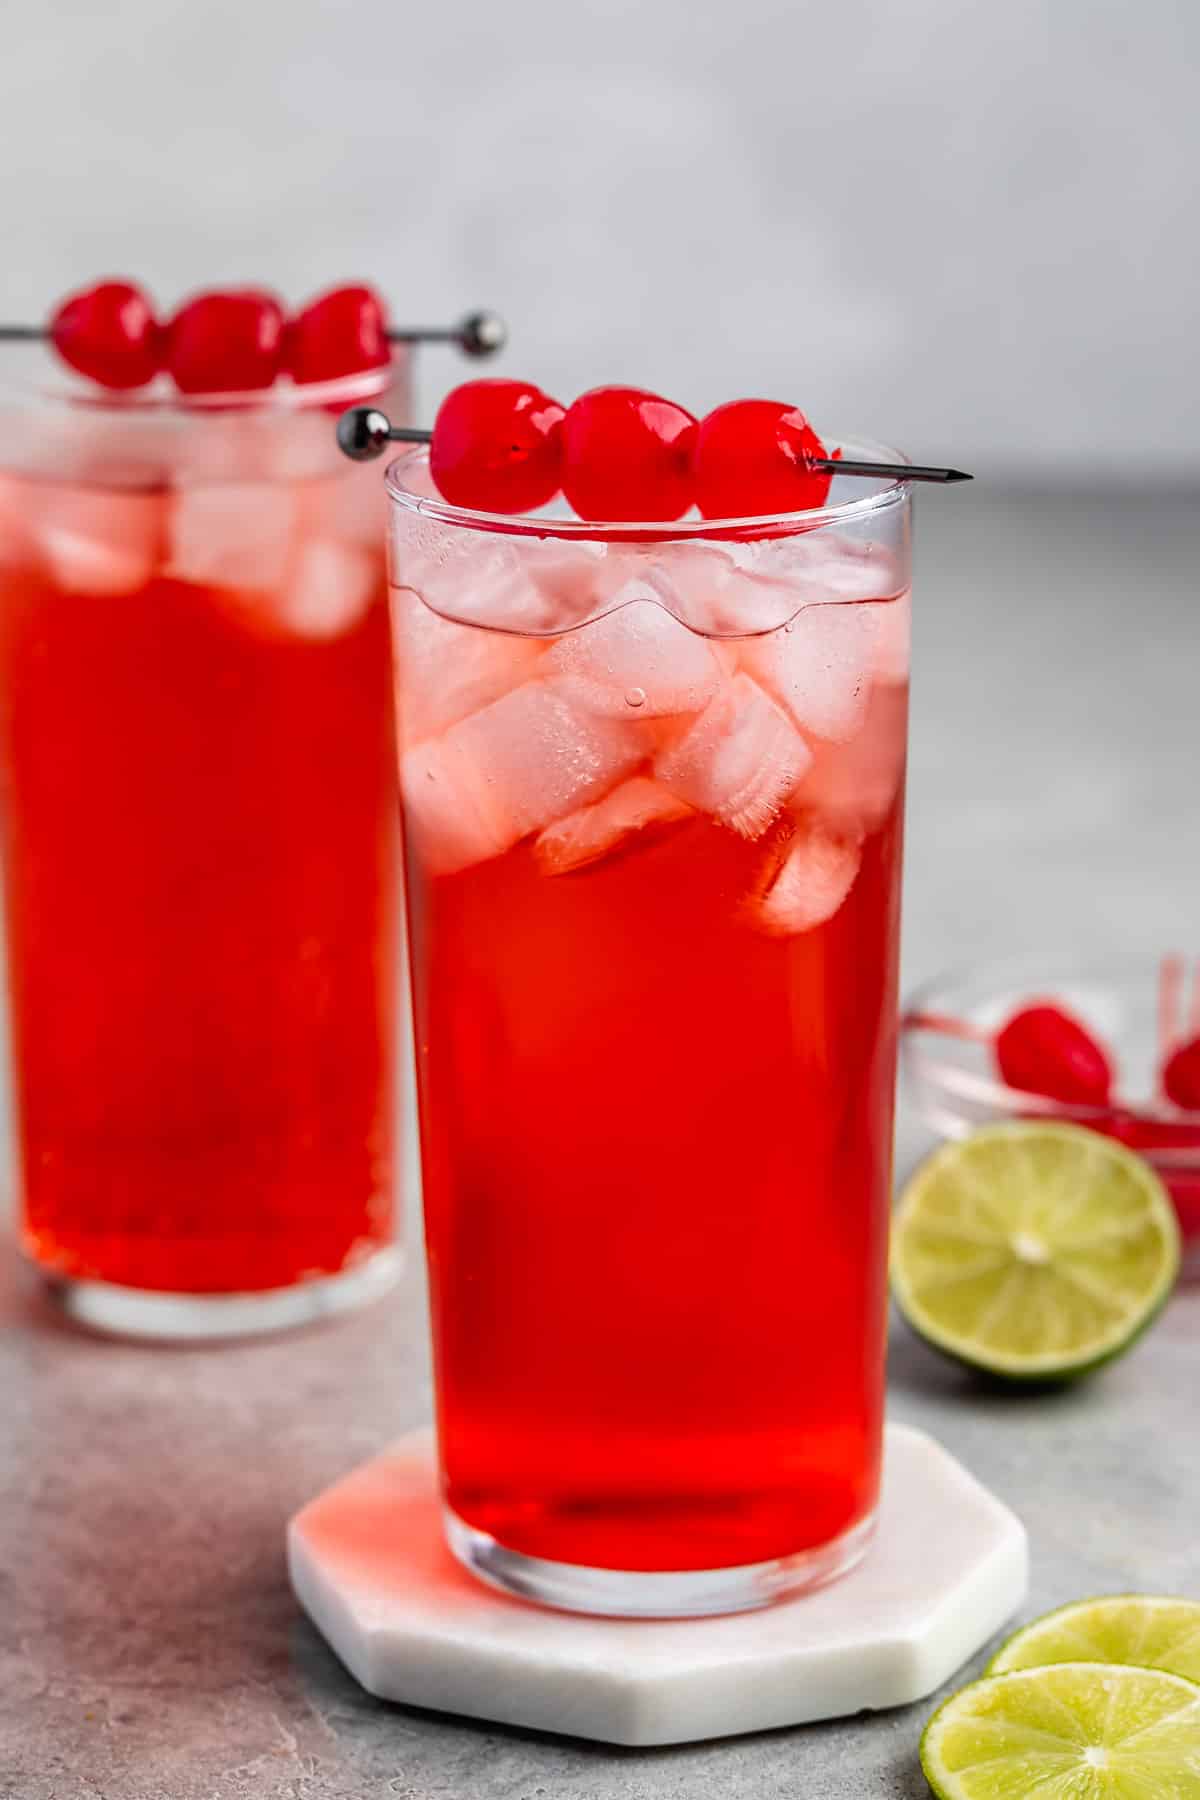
964,227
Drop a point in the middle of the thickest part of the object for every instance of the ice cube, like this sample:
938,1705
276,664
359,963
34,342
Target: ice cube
520,583
749,586
818,667
295,444
636,659
738,760
527,759
349,506
235,535
493,588
579,580
445,670
823,566
854,784
719,591
93,541
808,885
892,622
592,832
327,590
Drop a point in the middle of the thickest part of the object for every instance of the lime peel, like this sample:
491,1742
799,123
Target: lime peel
1148,1631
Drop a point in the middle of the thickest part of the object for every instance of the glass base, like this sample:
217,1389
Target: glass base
207,1318
671,1594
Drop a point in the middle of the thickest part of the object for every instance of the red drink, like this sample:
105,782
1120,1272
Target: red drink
198,801
653,879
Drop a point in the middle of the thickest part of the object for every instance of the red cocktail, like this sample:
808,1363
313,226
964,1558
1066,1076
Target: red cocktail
652,790
196,754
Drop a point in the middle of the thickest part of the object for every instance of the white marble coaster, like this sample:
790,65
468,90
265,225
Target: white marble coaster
368,1563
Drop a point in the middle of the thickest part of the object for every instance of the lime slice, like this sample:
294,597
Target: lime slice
1034,1251
1147,1631
1076,1731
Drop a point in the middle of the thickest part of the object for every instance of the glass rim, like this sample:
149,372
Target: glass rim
55,387
659,531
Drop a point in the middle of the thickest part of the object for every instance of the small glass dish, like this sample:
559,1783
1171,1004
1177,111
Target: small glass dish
1130,1000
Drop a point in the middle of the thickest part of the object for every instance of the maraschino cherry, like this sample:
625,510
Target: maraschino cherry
342,332
226,343
109,333
755,457
1044,1050
1181,1075
497,446
627,454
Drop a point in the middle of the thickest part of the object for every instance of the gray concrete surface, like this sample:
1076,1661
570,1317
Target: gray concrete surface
149,1648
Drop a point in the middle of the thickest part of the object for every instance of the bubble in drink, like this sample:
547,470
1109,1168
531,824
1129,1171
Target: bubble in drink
807,886
738,760
515,767
93,542
818,668
451,669
639,656
233,535
593,832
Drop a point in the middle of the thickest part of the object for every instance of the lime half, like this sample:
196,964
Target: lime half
1147,1631
1076,1731
1033,1251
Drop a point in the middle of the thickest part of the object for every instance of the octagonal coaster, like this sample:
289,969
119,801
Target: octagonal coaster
948,1566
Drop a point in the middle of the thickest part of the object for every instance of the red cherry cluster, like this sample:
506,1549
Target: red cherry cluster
1042,1049
621,454
236,341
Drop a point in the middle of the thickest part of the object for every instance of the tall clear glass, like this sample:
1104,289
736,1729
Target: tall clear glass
200,854
652,788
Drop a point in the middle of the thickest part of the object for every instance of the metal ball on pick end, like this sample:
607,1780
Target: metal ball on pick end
362,433
478,334
482,334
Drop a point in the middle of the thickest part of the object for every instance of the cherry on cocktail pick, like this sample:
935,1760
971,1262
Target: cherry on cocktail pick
619,454
236,340
365,432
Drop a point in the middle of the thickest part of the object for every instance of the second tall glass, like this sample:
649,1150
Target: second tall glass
200,855
652,785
